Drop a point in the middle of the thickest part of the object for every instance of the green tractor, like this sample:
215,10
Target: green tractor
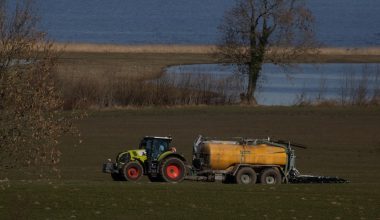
154,158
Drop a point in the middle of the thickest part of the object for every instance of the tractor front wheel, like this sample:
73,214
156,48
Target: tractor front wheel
132,171
173,170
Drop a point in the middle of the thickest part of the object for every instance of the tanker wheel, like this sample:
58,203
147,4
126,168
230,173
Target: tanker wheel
117,177
173,170
132,171
246,175
270,176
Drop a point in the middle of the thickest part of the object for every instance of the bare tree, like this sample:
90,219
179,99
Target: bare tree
31,120
256,31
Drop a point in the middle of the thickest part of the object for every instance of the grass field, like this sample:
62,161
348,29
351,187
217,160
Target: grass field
342,141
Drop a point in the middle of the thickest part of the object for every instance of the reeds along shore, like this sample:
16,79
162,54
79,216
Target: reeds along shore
169,90
355,89
192,49
113,48
113,91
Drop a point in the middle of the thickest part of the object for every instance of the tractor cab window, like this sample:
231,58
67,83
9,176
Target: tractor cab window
155,147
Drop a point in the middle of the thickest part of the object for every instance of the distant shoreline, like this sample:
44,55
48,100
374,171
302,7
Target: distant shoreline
191,49
146,48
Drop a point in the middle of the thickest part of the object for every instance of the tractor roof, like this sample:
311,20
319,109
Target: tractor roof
158,137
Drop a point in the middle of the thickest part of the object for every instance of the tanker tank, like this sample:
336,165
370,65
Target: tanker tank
220,155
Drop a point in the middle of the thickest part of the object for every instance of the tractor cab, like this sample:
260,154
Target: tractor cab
155,146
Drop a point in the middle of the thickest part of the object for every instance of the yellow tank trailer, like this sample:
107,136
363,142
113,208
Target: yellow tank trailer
248,161
223,155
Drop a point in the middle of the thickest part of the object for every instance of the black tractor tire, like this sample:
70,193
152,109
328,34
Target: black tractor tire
173,170
270,176
132,171
246,175
117,177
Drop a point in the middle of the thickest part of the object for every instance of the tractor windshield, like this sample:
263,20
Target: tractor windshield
155,147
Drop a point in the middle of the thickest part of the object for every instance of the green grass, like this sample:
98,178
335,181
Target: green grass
109,200
342,141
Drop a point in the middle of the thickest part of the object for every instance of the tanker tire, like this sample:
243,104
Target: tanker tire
270,176
173,170
117,177
246,175
132,171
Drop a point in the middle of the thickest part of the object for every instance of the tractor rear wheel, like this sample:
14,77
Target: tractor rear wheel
132,171
270,176
246,175
173,170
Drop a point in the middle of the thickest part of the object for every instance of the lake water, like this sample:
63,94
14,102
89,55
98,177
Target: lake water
352,23
279,86
338,22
